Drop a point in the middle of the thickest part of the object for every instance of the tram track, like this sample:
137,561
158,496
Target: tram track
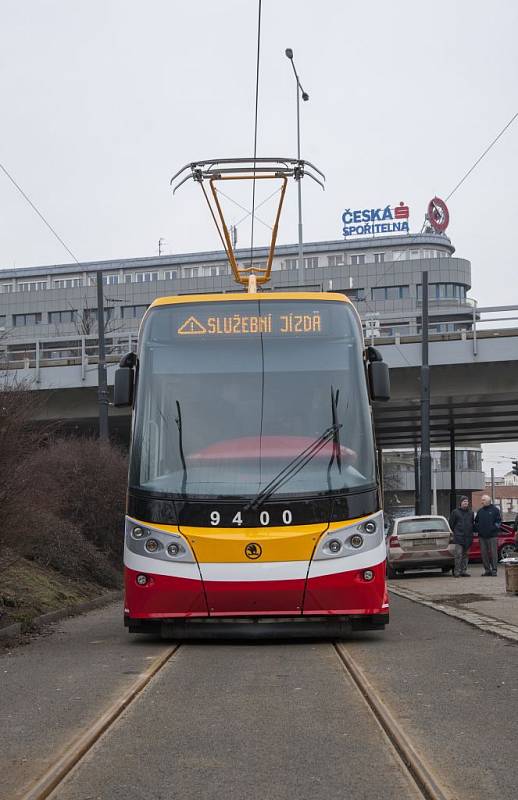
65,763
427,785
422,775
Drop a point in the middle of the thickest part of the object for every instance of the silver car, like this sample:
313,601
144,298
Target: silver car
419,542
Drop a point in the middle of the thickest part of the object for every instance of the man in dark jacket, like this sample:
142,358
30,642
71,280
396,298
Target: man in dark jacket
487,525
461,523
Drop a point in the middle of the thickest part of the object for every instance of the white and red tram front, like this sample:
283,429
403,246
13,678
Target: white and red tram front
253,489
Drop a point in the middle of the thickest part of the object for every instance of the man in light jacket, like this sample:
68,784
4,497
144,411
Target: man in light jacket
487,525
461,523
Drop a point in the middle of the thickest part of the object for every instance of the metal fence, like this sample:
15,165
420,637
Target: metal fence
60,351
64,351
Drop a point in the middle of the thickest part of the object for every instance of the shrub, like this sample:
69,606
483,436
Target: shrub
54,543
83,481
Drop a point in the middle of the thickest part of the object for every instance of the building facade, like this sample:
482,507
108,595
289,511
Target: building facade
381,275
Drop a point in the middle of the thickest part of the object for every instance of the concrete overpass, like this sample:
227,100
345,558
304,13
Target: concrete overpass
474,382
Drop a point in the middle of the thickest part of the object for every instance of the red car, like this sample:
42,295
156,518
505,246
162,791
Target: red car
507,545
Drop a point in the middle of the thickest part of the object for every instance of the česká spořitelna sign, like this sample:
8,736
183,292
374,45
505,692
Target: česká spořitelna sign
369,221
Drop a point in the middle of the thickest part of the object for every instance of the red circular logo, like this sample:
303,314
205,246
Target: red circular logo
438,214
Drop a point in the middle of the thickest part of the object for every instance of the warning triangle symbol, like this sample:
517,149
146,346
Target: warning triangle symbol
192,326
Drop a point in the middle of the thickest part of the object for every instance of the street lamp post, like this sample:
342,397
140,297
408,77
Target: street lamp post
298,176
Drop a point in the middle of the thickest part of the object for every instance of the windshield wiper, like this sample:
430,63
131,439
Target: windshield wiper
337,450
178,421
294,466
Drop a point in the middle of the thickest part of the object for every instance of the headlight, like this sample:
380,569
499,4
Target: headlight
356,540
334,546
370,526
142,539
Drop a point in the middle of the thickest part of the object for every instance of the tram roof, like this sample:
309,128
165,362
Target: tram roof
244,296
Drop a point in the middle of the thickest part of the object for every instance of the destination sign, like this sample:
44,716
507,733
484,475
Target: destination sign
250,324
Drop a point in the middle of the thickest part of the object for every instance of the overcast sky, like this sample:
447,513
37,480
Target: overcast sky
102,100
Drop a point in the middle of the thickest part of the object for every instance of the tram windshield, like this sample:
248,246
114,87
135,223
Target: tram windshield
239,398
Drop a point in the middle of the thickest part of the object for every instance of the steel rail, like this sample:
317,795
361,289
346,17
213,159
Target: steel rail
61,768
426,782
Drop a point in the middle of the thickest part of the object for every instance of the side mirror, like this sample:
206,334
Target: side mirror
379,380
123,387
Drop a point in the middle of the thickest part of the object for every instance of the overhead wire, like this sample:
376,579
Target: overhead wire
39,213
243,208
255,123
479,159
275,191
459,184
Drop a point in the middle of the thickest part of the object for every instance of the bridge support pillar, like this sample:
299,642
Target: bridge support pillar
453,487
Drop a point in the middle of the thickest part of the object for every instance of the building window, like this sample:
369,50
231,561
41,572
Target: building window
56,317
32,286
414,254
379,258
291,263
443,291
133,312
170,275
110,280
26,319
311,263
354,294
191,272
357,260
68,283
127,278
390,292
2,320
6,288
145,277
336,261
91,314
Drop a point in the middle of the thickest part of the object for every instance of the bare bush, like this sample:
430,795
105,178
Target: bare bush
83,481
54,542
19,438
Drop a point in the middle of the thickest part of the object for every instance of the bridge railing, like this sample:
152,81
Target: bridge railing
65,351
82,351
404,329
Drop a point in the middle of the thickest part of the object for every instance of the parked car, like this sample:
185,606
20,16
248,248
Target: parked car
419,542
506,543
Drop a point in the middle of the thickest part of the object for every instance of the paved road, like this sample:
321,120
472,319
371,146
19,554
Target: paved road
52,688
455,690
245,722
264,721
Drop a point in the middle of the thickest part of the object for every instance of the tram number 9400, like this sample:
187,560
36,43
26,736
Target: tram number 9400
264,518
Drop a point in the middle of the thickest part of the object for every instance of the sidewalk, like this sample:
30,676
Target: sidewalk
480,601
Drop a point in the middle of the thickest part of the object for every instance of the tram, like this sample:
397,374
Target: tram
254,499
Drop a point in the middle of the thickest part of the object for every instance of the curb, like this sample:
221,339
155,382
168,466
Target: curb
61,613
484,623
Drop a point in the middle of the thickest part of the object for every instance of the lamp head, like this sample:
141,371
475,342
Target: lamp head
289,52
305,96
